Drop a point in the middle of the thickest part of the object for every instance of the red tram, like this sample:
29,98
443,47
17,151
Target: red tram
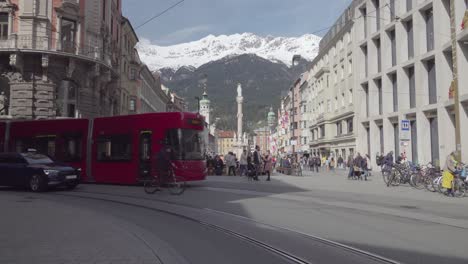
120,149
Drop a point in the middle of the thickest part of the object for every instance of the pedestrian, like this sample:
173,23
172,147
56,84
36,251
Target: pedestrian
268,164
450,169
256,161
366,167
243,163
327,163
219,165
332,163
340,162
358,166
350,165
231,163
311,163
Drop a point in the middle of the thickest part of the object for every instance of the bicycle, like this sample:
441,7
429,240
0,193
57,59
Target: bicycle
175,184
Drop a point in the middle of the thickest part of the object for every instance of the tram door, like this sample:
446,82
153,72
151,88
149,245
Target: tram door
144,168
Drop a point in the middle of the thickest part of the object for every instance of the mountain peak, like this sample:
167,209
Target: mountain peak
211,48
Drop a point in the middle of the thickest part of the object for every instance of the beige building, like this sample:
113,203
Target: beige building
330,84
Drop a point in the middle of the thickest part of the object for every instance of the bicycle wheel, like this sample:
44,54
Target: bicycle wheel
417,180
386,175
459,188
177,186
151,186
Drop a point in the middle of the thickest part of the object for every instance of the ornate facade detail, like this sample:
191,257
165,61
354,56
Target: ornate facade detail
71,68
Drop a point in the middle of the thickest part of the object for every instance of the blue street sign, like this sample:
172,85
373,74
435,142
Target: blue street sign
405,125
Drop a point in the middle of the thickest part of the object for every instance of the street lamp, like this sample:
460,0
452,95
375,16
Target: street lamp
295,62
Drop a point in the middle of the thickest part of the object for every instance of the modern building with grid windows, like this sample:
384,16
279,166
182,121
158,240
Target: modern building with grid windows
403,74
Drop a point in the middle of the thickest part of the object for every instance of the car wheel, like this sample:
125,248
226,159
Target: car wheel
37,183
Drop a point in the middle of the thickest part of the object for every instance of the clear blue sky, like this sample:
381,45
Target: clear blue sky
194,19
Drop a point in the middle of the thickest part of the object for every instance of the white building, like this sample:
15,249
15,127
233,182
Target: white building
330,84
403,71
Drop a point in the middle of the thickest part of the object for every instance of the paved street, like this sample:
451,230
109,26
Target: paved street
122,224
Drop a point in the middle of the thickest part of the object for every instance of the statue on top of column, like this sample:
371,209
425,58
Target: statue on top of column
239,90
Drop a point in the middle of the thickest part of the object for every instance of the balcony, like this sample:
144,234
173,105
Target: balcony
48,44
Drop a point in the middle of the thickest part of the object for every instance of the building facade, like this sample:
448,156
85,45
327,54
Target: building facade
67,58
225,142
403,75
261,138
331,84
55,60
151,97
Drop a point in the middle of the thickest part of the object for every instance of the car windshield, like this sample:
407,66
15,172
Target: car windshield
34,158
187,144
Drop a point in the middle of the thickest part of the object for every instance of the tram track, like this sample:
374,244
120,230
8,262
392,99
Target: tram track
273,249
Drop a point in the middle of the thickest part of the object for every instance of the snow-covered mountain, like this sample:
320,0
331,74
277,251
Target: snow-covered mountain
211,48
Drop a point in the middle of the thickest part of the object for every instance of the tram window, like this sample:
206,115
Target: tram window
114,148
186,143
46,145
145,149
73,148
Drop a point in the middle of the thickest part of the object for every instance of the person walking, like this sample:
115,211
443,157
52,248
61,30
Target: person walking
366,166
268,164
358,163
332,164
243,163
350,165
219,165
231,164
340,162
256,161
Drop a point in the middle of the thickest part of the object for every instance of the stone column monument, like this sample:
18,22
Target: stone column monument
240,115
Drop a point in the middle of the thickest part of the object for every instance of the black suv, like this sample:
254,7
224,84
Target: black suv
35,171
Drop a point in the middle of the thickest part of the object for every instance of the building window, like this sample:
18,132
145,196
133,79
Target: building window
365,88
392,10
412,87
379,57
409,30
431,78
339,128
429,29
364,17
132,105
378,84
133,74
393,45
377,14
349,123
409,5
68,35
322,131
350,67
393,79
434,140
3,26
366,64
350,96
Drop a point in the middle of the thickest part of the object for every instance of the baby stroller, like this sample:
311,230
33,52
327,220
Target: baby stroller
251,172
